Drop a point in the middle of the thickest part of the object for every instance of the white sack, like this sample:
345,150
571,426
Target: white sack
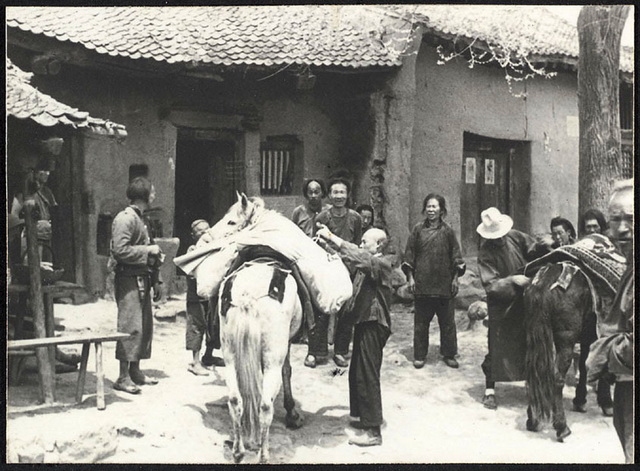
212,269
328,282
326,276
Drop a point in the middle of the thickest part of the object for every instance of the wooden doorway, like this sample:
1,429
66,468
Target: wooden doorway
487,180
208,173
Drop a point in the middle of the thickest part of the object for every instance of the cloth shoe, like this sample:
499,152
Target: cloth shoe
126,385
208,360
340,361
418,364
197,369
141,379
489,401
371,437
310,361
451,362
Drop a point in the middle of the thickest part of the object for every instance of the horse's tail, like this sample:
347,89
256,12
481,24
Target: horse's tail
245,336
540,353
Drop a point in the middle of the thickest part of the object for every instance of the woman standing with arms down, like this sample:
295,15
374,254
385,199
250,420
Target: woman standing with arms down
432,264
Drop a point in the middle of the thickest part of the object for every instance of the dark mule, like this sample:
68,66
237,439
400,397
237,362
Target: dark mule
556,319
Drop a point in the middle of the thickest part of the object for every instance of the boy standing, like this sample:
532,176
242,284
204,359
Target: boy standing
370,308
197,309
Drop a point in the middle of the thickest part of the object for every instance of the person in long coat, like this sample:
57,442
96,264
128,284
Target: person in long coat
136,264
370,308
504,251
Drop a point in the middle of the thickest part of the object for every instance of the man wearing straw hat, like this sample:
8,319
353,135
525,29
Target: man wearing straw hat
504,251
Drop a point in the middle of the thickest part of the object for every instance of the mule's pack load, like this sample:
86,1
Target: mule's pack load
325,275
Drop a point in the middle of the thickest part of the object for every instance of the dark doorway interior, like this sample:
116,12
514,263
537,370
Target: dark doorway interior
205,186
495,172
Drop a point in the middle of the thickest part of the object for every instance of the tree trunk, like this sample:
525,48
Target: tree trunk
599,32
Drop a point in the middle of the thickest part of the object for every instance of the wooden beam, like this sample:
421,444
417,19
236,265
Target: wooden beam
45,365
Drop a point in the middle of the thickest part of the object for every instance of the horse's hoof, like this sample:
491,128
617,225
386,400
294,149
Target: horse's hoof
607,411
294,421
562,434
237,457
533,426
580,407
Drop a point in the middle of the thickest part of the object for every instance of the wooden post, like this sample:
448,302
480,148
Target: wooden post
99,378
45,366
83,371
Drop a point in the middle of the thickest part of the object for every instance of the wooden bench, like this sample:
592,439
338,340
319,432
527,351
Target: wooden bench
28,346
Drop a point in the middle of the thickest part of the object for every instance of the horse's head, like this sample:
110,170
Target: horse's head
240,215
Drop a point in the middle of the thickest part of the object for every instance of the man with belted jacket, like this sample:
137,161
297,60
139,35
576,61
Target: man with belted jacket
136,263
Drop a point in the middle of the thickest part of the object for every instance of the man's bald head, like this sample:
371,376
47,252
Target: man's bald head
374,240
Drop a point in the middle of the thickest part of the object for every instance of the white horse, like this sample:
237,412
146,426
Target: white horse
256,331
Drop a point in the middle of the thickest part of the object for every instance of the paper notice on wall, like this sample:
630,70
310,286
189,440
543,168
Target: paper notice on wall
489,171
573,126
470,170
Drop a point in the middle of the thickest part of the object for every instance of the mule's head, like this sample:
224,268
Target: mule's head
240,215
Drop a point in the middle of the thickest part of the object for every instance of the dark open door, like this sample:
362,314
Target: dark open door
207,178
485,183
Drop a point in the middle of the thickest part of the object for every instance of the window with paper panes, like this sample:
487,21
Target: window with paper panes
278,159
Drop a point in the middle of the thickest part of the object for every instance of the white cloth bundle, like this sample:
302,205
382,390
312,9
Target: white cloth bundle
326,276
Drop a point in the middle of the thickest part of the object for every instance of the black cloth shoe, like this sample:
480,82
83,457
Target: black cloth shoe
418,364
310,361
451,362
489,401
208,360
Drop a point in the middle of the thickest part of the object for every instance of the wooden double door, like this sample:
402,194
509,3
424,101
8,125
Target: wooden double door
485,183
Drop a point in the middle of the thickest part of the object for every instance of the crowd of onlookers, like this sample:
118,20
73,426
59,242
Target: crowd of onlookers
432,262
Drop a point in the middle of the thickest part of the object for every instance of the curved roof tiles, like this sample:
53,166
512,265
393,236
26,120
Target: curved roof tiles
24,101
262,35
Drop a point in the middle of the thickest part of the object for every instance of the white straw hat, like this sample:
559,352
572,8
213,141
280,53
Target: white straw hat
494,224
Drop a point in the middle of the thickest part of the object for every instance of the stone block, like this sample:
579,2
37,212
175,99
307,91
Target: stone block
88,444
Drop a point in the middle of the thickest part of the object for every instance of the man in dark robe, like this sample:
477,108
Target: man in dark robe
504,251
370,308
136,264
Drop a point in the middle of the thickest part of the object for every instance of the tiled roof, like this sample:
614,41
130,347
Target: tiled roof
529,30
24,101
324,35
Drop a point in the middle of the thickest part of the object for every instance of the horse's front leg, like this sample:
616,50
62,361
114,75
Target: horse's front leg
294,419
564,352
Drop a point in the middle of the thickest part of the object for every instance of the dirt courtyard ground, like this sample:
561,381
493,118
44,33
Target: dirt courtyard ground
433,415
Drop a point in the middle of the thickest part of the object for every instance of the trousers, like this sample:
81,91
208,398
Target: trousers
365,397
426,307
318,336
